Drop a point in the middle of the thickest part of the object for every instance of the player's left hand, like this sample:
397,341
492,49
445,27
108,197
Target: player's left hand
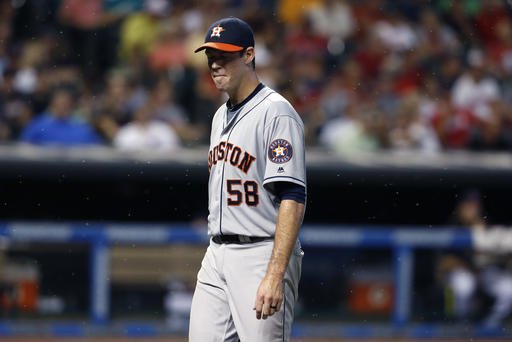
269,296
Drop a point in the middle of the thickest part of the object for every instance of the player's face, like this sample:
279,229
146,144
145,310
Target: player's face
225,68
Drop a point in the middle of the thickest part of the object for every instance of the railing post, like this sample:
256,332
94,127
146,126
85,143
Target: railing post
403,265
99,281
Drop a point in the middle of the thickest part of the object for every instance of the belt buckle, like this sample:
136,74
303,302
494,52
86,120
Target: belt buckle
244,238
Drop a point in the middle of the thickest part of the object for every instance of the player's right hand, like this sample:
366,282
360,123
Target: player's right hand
269,296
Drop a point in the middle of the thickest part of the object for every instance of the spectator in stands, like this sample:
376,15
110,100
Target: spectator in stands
161,98
429,94
491,14
367,13
206,97
370,54
8,96
168,52
33,57
383,93
500,56
139,32
57,126
396,45
448,71
304,57
292,12
459,16
490,134
301,41
5,36
332,19
90,27
407,75
395,32
145,133
500,52
409,131
453,125
115,107
354,132
435,39
17,113
341,90
476,90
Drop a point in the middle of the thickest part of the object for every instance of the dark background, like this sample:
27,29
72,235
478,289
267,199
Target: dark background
167,191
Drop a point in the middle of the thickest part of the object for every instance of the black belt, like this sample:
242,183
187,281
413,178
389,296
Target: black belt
240,239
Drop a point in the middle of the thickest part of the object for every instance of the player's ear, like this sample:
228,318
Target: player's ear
249,55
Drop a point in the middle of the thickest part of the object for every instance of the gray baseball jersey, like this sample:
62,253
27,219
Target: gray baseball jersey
261,144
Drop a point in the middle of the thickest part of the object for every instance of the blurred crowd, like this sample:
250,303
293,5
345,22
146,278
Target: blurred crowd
365,75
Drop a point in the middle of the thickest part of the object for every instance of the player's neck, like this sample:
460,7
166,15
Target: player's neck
245,89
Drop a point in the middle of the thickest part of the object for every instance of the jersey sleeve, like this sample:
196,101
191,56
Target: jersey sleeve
285,151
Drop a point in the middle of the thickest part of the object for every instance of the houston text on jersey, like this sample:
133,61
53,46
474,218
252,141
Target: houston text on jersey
227,152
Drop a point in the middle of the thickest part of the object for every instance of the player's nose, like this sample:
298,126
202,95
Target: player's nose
215,62
214,66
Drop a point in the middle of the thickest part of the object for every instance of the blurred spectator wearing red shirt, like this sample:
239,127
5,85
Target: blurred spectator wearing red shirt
453,126
488,19
169,51
303,41
367,13
370,55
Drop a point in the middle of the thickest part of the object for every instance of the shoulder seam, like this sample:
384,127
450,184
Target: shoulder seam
282,116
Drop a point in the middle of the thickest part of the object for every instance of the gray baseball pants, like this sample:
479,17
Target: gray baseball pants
223,302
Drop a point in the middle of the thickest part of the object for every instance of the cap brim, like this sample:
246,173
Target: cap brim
220,46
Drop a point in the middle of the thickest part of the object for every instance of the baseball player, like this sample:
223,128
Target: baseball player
248,281
487,268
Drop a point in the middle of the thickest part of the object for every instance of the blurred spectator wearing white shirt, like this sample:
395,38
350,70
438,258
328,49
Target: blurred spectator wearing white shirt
475,90
145,133
332,18
357,131
396,33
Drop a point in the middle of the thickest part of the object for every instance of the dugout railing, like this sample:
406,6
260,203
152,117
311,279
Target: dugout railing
402,241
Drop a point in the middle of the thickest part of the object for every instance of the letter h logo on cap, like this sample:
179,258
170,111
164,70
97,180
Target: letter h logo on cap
216,31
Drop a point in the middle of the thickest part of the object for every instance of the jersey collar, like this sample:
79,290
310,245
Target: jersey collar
247,99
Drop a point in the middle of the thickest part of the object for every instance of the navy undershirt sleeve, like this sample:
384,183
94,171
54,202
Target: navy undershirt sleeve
290,191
